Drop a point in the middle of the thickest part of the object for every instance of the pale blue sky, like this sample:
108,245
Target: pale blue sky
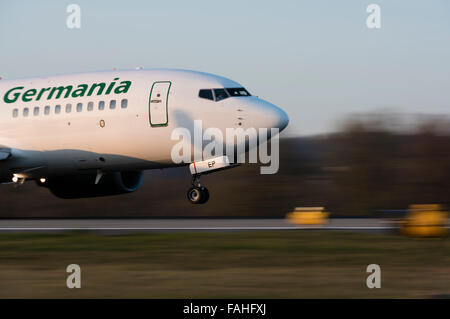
315,59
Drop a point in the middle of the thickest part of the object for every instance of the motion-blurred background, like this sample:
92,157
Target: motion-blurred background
368,108
369,135
376,164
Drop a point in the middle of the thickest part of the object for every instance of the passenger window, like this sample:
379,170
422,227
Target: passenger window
90,106
79,107
124,103
101,105
47,110
36,111
57,109
206,94
68,108
25,112
112,104
220,94
15,113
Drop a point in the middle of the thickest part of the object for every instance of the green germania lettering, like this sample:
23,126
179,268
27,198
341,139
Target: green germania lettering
100,86
110,87
60,89
81,91
11,96
20,93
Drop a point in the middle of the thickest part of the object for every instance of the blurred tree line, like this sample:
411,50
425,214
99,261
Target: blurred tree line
388,166
375,162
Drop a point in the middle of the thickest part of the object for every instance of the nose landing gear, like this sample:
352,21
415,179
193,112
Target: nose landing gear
197,194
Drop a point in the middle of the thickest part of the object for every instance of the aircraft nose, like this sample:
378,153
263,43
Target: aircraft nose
272,116
281,119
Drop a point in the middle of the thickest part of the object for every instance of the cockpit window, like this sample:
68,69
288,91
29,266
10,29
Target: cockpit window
206,94
220,94
238,92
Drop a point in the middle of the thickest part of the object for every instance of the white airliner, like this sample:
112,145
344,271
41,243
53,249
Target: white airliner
93,134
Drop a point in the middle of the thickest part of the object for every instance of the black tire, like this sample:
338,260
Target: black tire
195,195
205,195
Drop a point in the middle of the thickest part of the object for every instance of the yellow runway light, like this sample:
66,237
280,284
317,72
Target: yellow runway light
424,221
308,216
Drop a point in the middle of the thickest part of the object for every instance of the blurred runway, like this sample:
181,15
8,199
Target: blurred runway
192,224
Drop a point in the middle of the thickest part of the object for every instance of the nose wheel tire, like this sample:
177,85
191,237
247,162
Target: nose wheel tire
198,195
205,195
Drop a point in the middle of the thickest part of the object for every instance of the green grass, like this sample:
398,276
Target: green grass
289,264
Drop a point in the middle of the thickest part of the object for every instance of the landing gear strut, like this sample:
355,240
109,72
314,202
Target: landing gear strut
197,194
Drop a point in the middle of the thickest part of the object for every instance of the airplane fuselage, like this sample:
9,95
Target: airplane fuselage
116,120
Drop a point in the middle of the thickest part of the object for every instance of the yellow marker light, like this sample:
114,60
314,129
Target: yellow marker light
424,221
308,216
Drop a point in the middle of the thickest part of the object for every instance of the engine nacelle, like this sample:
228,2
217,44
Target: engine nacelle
82,186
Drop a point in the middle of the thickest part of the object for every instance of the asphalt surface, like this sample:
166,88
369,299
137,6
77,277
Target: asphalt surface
18,225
